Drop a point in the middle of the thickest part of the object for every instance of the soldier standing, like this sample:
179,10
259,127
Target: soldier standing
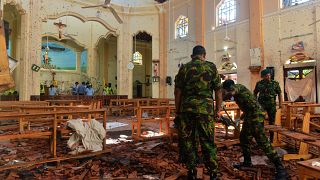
268,89
194,86
253,127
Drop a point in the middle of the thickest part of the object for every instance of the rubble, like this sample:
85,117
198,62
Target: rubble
154,159
147,160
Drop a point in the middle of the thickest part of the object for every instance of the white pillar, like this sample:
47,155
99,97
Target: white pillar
30,50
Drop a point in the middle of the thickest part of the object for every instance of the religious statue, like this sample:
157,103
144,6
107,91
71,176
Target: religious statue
60,28
156,69
46,57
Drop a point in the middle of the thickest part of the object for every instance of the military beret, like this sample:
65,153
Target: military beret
265,72
227,84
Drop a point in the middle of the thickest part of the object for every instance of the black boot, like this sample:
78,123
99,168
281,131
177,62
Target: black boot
213,176
246,163
281,172
192,174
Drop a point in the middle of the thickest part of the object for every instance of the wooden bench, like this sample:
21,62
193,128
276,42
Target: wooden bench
141,118
294,109
303,137
24,103
235,113
306,170
52,118
38,109
128,106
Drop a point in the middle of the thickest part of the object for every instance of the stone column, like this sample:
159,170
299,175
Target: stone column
78,65
256,36
200,21
124,54
163,40
30,50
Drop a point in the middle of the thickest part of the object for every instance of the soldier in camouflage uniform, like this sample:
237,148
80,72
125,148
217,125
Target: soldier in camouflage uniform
194,86
268,90
253,119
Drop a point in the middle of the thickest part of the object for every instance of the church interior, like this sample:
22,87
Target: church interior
88,87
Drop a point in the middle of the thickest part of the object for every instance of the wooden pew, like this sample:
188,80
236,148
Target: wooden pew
139,120
51,117
306,170
303,137
23,103
234,112
294,109
128,106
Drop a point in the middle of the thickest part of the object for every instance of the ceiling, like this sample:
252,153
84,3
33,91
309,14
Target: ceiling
127,2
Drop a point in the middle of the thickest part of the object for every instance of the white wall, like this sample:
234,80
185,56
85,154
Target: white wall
280,26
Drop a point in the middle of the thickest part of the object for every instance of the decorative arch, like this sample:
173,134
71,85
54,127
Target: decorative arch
19,7
142,31
83,19
56,37
106,36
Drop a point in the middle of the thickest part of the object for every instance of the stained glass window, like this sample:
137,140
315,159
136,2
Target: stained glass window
182,25
227,12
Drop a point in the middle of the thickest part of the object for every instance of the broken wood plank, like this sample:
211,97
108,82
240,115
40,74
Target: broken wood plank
176,176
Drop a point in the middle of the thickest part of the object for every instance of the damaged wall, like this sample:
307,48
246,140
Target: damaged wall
282,28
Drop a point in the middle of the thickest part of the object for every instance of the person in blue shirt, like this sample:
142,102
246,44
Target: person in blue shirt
75,88
82,89
52,90
89,90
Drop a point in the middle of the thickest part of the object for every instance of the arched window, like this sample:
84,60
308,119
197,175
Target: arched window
137,58
227,12
287,3
182,25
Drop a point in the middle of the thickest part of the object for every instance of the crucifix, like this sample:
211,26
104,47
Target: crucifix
60,26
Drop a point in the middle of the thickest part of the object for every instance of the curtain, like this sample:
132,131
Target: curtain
304,87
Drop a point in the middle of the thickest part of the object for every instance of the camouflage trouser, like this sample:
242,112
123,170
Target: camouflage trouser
253,128
271,111
192,129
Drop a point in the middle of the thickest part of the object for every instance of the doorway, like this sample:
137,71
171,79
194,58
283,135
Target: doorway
107,61
142,60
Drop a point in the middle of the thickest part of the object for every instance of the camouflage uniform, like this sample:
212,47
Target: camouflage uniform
197,80
252,125
268,91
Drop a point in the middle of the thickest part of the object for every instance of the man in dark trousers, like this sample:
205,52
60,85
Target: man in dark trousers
252,127
268,90
194,86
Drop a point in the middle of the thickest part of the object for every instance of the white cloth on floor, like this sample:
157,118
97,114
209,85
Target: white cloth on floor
90,134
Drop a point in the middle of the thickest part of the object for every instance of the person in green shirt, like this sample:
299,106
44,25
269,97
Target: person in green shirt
107,90
253,118
194,86
267,90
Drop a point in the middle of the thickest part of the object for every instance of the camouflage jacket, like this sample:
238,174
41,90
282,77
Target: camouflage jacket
247,102
197,80
268,91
